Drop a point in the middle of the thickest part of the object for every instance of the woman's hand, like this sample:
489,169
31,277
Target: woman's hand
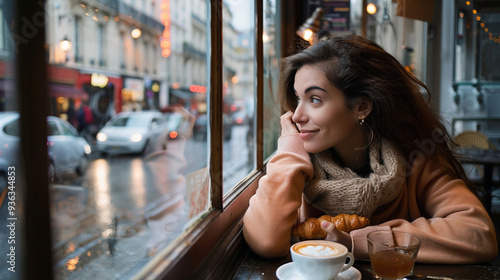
287,125
188,118
333,234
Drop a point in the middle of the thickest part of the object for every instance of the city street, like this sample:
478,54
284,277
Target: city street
115,218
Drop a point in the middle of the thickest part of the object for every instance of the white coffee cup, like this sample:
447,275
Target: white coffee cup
320,259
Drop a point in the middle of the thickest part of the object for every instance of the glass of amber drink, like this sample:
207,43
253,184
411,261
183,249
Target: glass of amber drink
392,253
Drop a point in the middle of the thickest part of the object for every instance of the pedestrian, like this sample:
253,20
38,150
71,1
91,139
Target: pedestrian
358,137
81,117
72,114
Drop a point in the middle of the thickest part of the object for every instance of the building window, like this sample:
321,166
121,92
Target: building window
121,50
78,40
147,62
101,46
3,30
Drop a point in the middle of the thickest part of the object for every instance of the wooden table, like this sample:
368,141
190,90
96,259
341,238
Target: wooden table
257,268
488,159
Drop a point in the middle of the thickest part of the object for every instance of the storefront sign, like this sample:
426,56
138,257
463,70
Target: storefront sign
337,15
99,80
165,38
132,94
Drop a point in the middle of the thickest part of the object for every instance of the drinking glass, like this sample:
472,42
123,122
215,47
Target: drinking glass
392,253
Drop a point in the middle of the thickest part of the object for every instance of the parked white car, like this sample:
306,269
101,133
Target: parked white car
68,152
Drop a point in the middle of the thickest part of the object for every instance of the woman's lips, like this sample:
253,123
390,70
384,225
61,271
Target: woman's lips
307,133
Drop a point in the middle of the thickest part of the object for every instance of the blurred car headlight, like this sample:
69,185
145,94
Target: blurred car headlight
101,137
87,149
136,137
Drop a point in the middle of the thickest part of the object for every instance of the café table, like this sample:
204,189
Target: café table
257,268
488,159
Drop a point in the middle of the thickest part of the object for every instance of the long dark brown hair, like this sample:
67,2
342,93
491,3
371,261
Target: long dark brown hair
400,113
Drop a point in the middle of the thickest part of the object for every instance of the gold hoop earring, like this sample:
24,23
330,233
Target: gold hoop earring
372,136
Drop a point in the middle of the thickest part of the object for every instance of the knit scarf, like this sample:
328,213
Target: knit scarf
336,190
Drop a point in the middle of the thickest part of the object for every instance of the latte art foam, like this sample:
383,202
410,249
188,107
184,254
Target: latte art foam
317,250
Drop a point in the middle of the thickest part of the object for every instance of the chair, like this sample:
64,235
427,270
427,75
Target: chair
476,140
473,140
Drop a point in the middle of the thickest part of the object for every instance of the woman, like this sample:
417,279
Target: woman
359,138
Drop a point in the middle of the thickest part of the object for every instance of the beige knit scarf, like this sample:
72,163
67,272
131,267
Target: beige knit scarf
336,190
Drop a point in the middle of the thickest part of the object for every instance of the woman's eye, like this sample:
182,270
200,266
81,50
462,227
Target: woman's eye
315,100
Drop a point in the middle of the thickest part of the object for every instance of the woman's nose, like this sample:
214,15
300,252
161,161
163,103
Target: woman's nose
298,114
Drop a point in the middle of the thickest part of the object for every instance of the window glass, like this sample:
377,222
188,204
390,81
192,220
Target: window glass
68,130
490,46
52,129
272,111
131,78
11,233
476,73
11,127
238,90
465,45
477,44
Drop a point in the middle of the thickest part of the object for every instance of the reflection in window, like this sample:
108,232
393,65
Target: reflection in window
238,91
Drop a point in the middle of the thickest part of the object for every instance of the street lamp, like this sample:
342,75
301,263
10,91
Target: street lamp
65,46
136,33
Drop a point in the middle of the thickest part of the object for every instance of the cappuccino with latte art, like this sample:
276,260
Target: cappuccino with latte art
320,259
318,249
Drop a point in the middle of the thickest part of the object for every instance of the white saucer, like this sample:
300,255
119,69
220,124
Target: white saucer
287,272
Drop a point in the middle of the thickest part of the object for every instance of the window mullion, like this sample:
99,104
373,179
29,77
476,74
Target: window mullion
32,209
215,104
259,47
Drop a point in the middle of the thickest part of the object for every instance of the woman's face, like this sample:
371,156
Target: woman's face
322,117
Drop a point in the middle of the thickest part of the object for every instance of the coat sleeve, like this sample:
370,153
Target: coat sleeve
449,219
273,210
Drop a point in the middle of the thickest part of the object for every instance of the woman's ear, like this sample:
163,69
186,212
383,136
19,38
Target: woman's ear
364,108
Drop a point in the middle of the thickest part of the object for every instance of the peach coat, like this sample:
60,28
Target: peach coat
451,222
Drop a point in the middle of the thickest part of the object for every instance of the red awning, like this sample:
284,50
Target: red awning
68,91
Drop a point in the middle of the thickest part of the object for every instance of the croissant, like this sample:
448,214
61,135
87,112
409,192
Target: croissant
311,227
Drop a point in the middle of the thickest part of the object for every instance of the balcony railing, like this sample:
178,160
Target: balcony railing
137,15
113,4
189,49
133,13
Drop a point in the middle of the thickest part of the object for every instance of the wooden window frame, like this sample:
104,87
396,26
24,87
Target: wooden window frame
32,189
